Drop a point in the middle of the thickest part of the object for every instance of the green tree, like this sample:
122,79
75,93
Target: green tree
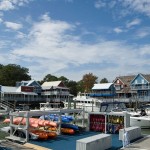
80,87
72,85
12,73
49,78
88,81
104,80
64,79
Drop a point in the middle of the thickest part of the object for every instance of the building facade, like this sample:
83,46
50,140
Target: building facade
55,91
103,91
141,85
122,86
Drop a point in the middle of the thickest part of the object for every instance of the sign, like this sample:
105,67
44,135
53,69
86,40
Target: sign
27,88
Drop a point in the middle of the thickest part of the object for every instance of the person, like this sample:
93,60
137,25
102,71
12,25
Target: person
143,113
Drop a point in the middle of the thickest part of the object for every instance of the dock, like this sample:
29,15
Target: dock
141,144
7,144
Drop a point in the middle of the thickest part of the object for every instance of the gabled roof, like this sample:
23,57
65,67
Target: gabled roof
28,83
146,76
102,86
52,83
125,79
8,89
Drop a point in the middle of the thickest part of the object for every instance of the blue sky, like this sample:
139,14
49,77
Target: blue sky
71,38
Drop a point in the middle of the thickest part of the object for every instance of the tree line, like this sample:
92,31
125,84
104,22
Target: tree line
12,73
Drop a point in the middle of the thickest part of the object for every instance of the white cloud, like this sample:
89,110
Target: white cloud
141,6
1,20
133,23
20,35
6,5
51,48
70,1
143,32
12,25
100,4
118,30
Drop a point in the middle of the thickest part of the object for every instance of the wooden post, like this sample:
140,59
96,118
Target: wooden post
27,126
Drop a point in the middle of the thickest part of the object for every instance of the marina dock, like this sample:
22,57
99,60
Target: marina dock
141,144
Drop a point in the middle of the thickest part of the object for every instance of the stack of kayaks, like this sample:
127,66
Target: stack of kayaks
44,135
54,117
33,122
35,125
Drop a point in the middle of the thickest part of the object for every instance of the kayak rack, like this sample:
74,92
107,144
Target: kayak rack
29,114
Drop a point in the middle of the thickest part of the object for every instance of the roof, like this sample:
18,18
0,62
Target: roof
8,89
29,93
126,79
52,83
101,86
146,76
29,82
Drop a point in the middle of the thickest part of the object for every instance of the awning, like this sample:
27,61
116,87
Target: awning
29,93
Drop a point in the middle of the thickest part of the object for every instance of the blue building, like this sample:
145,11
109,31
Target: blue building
141,84
105,91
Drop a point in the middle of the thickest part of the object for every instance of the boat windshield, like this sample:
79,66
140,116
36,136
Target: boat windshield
108,107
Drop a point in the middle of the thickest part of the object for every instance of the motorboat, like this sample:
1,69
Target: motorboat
84,101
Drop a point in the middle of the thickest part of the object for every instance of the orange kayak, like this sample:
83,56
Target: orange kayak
33,122
41,134
67,131
51,134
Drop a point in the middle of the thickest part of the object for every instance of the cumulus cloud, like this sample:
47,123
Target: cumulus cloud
6,5
118,30
52,48
141,6
99,4
12,25
127,6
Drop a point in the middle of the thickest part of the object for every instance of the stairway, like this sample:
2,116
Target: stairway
6,107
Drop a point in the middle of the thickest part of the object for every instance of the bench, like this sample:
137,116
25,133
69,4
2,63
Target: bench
97,142
132,133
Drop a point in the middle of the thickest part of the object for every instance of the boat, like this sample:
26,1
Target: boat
83,100
67,131
43,135
70,126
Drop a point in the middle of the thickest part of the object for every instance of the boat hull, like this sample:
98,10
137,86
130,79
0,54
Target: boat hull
143,122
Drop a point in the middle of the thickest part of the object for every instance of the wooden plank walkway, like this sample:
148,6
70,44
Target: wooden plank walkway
15,146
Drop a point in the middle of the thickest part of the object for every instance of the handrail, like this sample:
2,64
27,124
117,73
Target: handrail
6,104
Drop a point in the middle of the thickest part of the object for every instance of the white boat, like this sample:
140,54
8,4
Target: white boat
141,121
84,101
49,106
